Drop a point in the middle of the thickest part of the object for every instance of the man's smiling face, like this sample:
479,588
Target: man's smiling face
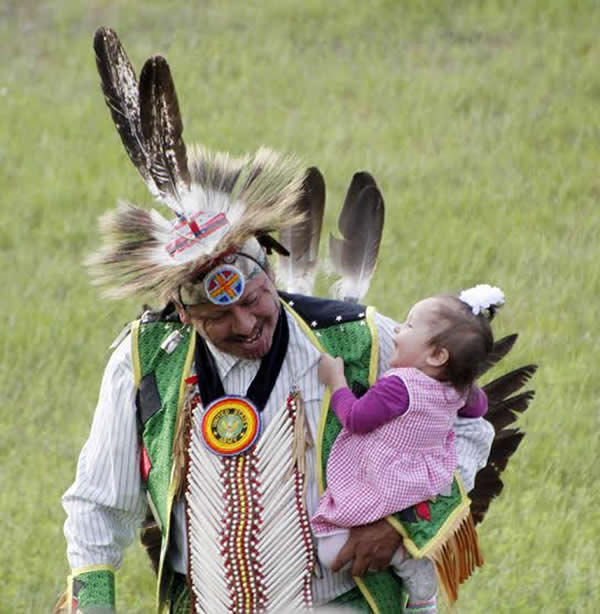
244,329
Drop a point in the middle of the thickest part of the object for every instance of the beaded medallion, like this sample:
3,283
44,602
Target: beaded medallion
230,425
224,285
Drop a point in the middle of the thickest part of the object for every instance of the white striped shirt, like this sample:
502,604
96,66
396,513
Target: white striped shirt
106,504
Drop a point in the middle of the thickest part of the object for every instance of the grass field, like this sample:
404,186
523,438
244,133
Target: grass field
481,123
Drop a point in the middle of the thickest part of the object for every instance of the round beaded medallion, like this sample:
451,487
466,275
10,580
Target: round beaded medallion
224,285
230,425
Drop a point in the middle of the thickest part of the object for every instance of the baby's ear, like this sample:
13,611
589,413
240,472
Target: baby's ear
438,357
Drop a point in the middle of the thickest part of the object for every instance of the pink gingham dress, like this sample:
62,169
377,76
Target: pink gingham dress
405,461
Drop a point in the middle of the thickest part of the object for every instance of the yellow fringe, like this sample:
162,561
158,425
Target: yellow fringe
457,557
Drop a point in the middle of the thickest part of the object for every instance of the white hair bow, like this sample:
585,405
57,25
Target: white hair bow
482,297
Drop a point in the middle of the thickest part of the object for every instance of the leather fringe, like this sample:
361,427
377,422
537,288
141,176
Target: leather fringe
62,605
180,441
302,437
457,558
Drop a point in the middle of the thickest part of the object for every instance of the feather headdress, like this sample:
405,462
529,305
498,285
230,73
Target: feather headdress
222,204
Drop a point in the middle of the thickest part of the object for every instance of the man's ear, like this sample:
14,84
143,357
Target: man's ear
184,316
438,357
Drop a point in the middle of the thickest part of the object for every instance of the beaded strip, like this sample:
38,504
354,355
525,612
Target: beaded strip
300,482
249,539
239,536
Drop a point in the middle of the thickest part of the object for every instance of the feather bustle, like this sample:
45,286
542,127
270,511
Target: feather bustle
501,348
488,484
503,409
502,387
505,412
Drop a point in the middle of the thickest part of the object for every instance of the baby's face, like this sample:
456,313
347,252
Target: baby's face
411,338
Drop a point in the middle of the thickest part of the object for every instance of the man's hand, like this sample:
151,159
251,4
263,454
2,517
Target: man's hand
369,547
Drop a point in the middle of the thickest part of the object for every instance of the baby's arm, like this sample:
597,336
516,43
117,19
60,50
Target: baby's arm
386,400
476,404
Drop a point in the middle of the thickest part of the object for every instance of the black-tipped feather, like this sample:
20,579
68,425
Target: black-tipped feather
361,226
359,182
502,387
501,348
162,129
302,239
120,88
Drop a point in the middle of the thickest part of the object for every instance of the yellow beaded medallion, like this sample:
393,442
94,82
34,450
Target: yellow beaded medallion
230,425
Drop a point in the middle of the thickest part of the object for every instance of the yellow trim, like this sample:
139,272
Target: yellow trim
373,372
320,431
367,595
135,352
305,327
373,367
374,362
325,404
171,491
456,515
88,568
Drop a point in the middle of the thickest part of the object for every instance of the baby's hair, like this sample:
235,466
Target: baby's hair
467,337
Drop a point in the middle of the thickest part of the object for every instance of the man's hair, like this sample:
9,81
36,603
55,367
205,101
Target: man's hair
467,337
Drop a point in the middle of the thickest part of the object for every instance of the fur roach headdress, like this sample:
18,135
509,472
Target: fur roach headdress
222,205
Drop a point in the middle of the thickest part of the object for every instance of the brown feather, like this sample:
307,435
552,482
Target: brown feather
502,413
361,225
120,88
151,539
162,129
302,239
503,410
500,388
501,348
488,484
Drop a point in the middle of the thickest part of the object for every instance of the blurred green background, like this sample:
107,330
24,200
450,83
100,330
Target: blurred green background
480,122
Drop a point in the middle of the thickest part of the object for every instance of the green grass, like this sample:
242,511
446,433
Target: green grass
480,122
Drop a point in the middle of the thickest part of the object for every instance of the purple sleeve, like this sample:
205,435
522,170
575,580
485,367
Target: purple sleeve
476,404
386,400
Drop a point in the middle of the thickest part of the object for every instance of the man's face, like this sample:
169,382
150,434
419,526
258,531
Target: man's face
244,329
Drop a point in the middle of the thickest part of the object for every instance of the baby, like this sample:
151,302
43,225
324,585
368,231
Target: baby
397,447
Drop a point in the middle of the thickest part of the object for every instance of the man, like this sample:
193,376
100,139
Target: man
107,502
210,413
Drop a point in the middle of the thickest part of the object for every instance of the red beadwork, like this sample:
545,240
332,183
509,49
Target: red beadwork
422,510
145,464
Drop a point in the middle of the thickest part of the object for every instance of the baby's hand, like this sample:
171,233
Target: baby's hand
331,371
